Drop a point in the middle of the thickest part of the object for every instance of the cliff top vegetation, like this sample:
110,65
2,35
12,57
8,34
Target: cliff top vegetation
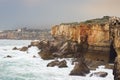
102,20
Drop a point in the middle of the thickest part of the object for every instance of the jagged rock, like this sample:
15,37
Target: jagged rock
80,69
8,56
15,48
34,56
29,46
62,64
116,70
46,52
24,48
109,66
35,43
99,74
115,41
44,44
53,63
93,64
46,55
74,61
66,50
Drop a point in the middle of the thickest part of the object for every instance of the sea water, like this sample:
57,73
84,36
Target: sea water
22,65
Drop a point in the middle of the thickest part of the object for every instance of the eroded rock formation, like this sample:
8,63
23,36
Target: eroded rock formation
96,39
99,74
60,64
115,40
80,69
97,31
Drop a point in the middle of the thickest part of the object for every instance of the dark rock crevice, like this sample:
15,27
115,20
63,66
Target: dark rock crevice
113,54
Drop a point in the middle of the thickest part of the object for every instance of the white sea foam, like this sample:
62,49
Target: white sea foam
22,65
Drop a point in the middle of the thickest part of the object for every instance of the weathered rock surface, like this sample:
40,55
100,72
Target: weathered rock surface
80,69
92,64
47,50
115,40
24,48
116,70
56,48
97,32
34,56
53,63
46,55
35,43
115,33
60,64
109,66
15,48
99,74
8,56
96,39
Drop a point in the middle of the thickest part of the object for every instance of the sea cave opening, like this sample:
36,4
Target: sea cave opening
113,54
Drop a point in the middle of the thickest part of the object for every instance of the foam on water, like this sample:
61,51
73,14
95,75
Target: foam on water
22,65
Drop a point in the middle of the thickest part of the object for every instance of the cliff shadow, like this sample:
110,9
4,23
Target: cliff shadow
113,54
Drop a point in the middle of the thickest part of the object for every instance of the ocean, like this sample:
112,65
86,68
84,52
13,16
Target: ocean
22,65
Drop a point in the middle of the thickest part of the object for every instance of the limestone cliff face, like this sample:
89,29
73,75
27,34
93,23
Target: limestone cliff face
100,32
97,34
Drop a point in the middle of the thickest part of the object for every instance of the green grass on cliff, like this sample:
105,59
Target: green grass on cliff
102,20
98,20
73,23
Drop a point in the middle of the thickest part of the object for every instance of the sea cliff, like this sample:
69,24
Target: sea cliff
97,32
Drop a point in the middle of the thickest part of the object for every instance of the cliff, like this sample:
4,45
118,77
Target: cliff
115,33
98,34
93,42
96,30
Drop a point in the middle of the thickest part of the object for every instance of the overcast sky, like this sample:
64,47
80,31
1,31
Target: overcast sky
17,13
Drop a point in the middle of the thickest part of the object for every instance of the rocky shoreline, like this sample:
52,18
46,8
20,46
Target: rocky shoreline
90,44
81,66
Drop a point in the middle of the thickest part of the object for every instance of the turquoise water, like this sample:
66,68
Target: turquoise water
22,65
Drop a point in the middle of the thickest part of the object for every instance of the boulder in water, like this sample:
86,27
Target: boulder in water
93,64
99,74
24,48
35,43
15,48
34,56
62,64
53,63
8,56
46,55
80,69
